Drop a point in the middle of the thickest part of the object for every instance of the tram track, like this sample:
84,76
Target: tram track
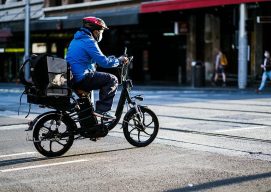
191,132
216,135
217,147
214,120
215,109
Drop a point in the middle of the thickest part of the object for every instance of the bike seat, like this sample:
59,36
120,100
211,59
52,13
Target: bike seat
81,93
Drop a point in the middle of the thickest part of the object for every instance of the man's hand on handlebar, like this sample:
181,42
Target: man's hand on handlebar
123,60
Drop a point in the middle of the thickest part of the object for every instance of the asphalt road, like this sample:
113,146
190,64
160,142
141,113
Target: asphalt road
209,140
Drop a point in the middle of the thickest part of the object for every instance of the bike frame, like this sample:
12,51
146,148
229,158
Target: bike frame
126,87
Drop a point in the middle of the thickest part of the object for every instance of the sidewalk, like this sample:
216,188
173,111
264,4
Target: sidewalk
15,87
11,87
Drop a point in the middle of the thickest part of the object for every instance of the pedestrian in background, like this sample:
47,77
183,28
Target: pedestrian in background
266,66
220,62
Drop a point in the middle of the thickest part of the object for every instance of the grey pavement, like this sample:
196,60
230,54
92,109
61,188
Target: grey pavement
113,165
210,139
5,121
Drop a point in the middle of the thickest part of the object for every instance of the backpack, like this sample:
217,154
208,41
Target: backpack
50,80
48,75
268,65
223,60
38,72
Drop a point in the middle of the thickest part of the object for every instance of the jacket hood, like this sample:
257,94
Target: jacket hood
82,34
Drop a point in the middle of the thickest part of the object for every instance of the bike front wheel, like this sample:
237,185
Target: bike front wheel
140,129
52,135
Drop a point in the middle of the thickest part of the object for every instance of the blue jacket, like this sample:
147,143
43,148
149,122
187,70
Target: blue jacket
83,53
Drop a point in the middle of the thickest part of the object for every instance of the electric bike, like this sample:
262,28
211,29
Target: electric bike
54,132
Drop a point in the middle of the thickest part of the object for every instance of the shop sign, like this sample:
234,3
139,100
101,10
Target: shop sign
14,50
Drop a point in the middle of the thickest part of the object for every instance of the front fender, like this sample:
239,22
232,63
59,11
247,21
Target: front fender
132,110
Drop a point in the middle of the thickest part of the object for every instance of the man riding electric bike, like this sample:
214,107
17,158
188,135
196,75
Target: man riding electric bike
83,54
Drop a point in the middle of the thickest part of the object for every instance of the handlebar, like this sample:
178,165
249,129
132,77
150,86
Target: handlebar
125,51
124,67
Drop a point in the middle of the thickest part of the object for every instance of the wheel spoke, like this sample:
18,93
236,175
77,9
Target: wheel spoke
51,146
60,143
144,123
148,124
49,128
61,134
144,119
132,130
147,133
138,136
51,123
134,126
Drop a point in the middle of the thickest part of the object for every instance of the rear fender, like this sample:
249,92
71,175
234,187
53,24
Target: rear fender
33,123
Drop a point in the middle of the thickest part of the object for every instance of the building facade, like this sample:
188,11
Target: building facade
201,26
165,37
12,14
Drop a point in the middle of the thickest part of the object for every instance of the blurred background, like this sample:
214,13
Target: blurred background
165,37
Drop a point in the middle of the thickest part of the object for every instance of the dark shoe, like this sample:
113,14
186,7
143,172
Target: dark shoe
224,85
105,115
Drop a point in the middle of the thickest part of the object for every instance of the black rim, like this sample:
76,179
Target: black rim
52,137
142,132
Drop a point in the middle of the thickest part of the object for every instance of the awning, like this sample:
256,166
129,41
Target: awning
112,17
173,5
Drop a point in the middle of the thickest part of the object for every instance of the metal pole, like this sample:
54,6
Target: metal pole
242,50
27,38
179,75
92,96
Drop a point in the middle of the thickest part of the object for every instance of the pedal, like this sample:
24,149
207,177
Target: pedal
95,139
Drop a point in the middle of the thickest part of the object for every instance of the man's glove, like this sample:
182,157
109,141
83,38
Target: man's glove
123,60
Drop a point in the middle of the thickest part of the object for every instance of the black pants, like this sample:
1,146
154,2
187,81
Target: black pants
106,83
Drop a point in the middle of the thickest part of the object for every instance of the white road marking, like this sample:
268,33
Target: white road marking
11,127
18,154
11,90
40,166
240,129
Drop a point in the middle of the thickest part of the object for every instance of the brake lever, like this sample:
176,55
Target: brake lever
125,52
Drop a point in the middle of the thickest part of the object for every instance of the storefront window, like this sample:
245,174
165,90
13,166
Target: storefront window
39,48
53,48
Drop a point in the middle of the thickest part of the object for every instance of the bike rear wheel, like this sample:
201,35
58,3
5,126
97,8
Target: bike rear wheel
52,135
140,131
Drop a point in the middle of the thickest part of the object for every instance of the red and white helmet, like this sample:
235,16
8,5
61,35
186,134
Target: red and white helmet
94,23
